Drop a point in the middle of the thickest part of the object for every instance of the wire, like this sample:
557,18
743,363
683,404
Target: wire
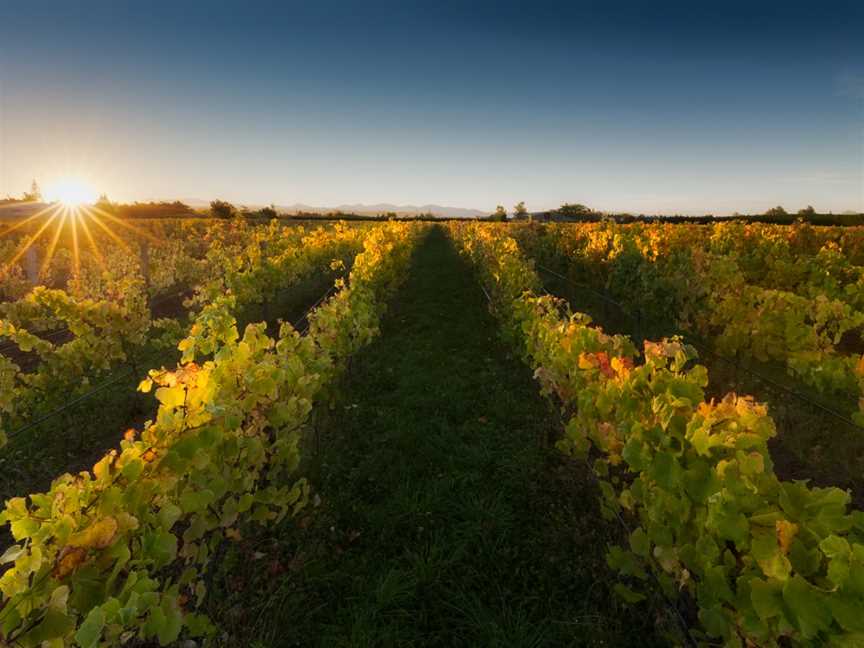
626,528
585,287
305,316
780,386
320,300
703,347
685,627
117,377
11,346
71,403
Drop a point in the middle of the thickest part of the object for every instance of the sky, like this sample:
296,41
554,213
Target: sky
663,107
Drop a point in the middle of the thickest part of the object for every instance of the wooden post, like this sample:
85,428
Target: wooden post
265,307
31,265
145,263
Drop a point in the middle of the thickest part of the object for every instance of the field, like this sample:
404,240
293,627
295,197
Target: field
415,434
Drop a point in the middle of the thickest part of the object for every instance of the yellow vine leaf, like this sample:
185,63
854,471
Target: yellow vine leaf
171,397
68,561
96,536
786,532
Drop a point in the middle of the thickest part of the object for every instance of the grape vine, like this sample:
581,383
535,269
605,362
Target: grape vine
765,561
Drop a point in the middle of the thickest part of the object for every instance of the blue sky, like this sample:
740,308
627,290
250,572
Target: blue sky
648,107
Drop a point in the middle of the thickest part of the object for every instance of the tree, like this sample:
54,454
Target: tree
221,209
807,211
777,212
35,194
268,212
575,212
500,214
519,211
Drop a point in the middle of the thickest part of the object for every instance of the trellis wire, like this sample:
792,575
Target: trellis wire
682,622
130,370
704,348
10,346
117,376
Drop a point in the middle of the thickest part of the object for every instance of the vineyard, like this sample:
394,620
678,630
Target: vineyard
235,433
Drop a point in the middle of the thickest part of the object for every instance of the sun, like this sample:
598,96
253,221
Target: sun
71,192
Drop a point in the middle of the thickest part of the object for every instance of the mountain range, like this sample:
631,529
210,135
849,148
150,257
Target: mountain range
363,209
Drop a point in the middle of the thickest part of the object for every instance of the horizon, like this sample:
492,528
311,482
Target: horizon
683,109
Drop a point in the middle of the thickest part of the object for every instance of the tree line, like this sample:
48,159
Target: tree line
34,195
581,213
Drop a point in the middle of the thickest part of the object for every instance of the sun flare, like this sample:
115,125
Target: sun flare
71,192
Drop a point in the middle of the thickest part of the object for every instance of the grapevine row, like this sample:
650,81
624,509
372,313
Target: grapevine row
693,276
765,561
109,332
120,552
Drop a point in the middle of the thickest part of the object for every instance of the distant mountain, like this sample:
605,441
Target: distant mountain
382,208
360,208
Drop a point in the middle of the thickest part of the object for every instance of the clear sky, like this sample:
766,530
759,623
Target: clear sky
642,106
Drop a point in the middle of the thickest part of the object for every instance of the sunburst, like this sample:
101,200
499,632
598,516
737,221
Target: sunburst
73,204
71,192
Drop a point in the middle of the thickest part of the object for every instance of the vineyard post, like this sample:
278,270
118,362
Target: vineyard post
145,263
31,265
266,306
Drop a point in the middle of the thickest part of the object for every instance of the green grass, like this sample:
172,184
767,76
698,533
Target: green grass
442,521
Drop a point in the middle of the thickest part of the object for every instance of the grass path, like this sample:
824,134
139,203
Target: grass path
442,520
